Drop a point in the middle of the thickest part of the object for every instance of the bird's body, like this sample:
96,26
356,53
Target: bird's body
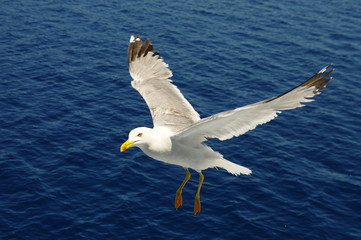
179,133
164,146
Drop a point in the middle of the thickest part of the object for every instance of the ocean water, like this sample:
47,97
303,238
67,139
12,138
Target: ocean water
66,105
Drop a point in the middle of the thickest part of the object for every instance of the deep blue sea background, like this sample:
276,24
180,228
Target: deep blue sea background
66,105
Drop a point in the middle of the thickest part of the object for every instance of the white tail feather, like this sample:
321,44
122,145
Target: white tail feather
232,167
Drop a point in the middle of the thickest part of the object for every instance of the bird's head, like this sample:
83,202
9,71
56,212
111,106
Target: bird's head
156,139
137,137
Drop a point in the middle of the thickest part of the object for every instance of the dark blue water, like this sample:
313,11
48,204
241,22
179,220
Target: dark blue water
66,105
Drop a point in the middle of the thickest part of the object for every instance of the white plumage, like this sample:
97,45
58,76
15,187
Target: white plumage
178,134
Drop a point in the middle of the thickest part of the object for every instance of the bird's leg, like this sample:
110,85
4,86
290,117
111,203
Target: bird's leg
197,200
178,195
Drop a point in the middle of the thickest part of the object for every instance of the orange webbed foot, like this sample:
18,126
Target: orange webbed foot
197,199
197,205
178,200
178,196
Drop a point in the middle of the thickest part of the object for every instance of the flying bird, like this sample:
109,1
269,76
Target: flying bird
178,134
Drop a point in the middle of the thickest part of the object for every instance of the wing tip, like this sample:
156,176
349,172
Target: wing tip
138,53
317,81
137,48
132,38
320,79
325,68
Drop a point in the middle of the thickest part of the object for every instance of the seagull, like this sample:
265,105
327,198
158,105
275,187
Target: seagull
178,132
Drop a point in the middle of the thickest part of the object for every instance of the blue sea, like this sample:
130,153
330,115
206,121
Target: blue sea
66,105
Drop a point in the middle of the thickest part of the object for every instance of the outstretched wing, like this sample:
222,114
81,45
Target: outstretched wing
238,121
151,79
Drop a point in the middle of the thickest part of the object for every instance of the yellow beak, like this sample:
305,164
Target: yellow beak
127,144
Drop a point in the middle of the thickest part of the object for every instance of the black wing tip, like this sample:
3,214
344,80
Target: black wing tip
137,48
324,72
320,79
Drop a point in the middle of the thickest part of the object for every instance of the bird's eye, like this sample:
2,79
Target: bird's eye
140,134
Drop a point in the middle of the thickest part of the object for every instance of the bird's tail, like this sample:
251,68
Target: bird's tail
232,167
